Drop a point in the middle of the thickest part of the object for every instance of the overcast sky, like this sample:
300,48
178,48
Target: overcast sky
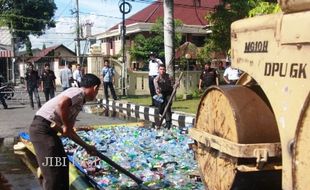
102,13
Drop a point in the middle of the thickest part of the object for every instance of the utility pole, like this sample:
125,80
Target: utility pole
86,27
123,37
13,51
78,44
124,10
169,36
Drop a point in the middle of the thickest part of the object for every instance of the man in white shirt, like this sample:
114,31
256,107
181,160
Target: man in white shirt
231,75
66,77
153,72
77,74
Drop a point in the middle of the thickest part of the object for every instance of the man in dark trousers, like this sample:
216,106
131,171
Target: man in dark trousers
48,82
32,84
108,80
164,87
59,115
5,106
209,76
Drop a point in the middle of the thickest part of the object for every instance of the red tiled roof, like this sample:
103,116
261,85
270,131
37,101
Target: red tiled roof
185,10
46,51
43,53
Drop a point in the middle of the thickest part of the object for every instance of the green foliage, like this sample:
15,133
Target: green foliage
155,42
221,19
205,53
25,17
264,8
196,93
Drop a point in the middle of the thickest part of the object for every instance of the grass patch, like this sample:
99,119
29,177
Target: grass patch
188,106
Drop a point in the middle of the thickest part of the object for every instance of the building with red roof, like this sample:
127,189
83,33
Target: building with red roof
57,56
58,51
191,12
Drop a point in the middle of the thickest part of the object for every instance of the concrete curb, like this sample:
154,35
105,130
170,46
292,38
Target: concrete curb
142,112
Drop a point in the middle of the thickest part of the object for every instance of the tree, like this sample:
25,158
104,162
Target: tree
143,45
43,46
226,13
264,8
25,17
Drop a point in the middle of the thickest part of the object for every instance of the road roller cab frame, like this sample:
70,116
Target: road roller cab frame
260,128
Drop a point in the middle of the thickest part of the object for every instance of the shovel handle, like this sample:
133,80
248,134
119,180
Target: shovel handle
119,168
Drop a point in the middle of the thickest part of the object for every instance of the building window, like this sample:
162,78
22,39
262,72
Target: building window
111,44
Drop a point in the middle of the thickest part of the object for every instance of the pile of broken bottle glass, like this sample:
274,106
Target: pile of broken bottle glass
161,158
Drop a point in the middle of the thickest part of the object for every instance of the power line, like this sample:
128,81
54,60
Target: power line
64,9
107,16
30,31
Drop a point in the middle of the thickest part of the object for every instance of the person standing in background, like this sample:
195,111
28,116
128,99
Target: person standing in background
48,82
231,75
32,84
208,77
77,74
153,72
108,80
164,86
66,77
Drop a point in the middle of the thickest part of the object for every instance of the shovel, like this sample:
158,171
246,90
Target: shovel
118,167
122,170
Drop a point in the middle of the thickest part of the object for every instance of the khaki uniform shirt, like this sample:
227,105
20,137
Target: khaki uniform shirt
49,109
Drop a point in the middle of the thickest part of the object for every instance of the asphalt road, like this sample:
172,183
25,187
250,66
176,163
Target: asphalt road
19,116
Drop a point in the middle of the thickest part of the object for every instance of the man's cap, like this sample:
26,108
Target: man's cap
151,53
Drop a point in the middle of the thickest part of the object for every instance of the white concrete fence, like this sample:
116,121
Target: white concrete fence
138,83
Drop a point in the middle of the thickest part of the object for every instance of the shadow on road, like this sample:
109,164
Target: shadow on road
15,107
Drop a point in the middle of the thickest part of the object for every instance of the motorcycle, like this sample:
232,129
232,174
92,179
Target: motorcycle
7,90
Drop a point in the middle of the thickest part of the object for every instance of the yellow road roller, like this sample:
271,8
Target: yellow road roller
256,134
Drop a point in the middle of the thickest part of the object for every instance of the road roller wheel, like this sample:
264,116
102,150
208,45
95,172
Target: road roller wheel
237,114
301,154
246,80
